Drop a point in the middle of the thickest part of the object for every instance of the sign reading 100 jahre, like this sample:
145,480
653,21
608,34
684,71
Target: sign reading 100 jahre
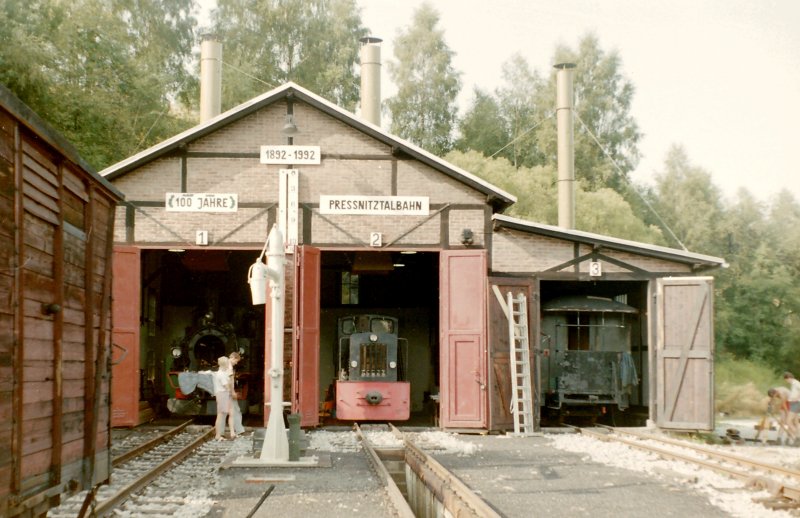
290,155
201,202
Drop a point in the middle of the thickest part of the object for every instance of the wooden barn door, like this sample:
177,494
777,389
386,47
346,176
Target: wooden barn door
462,344
499,353
685,353
305,350
125,336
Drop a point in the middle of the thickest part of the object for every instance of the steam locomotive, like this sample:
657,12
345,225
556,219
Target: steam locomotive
193,359
587,364
371,367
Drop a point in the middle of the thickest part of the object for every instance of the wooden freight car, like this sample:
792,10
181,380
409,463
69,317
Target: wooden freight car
56,241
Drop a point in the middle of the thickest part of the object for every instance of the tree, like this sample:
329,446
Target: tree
602,212
522,112
266,43
424,109
689,204
483,128
105,73
602,106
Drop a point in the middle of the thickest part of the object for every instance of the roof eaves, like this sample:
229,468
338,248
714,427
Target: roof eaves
497,197
697,261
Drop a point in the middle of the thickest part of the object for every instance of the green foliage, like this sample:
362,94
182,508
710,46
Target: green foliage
689,204
483,127
523,112
741,386
602,212
526,105
424,109
603,99
314,43
605,211
102,72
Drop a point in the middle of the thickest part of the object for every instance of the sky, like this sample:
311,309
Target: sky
719,77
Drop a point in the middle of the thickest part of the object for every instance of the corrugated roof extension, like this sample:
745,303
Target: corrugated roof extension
498,198
698,261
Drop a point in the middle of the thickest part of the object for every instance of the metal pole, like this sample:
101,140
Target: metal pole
371,80
276,444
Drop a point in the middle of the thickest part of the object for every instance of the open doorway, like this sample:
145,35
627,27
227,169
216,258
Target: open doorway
196,307
594,352
396,285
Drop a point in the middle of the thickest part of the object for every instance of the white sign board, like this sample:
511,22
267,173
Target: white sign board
374,205
288,207
290,155
201,202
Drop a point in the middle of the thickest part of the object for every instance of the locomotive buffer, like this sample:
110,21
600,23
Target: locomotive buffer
521,400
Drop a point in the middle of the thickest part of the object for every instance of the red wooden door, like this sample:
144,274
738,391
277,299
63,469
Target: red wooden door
305,353
685,353
125,337
463,384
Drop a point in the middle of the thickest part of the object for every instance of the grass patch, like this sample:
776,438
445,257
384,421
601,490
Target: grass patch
741,387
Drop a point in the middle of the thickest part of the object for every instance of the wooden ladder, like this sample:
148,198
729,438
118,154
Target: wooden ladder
520,362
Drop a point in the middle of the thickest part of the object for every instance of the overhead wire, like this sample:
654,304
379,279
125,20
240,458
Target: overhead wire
550,115
630,184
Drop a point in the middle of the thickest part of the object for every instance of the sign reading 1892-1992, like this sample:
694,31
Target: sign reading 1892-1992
290,155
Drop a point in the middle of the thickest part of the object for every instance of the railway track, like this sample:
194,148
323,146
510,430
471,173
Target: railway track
417,484
783,483
155,477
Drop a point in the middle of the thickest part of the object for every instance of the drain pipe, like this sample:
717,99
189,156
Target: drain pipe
566,145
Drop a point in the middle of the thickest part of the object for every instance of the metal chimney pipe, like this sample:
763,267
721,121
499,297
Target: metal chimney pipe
371,79
210,77
566,145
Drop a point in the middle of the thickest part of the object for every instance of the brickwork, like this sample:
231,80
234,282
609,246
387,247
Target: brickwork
151,181
354,163
418,179
467,219
355,230
258,183
518,252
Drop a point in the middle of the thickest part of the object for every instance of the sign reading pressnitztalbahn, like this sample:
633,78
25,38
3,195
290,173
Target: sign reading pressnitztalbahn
201,202
290,155
374,205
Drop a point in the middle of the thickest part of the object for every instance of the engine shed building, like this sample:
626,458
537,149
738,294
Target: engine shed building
373,224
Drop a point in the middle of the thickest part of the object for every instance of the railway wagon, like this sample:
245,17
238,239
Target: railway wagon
56,237
588,361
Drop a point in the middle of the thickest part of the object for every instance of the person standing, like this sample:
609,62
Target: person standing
223,392
236,411
778,408
794,392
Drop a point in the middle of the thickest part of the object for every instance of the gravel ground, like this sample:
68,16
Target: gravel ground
554,474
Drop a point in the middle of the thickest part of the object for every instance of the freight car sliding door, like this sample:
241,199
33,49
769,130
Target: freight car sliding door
685,353
125,336
462,346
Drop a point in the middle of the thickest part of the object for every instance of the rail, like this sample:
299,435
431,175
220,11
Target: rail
435,491
782,482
